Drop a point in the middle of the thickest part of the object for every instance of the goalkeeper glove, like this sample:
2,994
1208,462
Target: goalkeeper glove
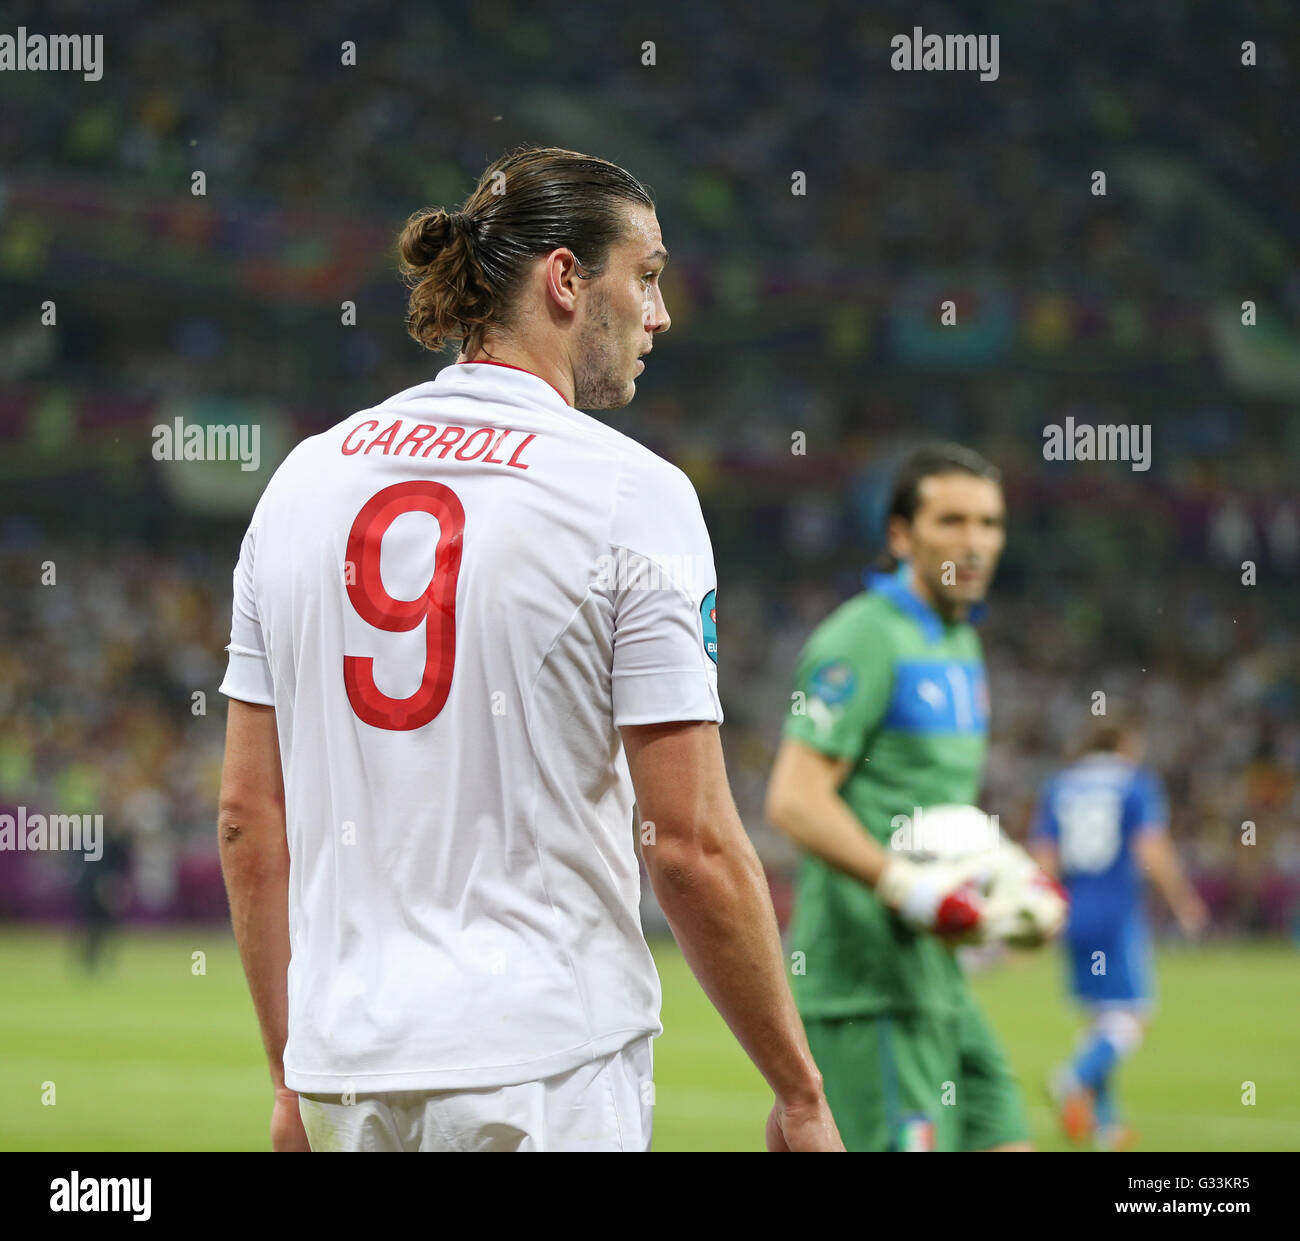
942,897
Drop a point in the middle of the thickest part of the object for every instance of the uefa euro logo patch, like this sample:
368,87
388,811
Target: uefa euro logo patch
709,624
833,683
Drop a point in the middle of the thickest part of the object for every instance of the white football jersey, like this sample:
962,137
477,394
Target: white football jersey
453,601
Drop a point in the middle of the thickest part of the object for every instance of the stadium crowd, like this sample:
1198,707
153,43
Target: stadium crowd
919,186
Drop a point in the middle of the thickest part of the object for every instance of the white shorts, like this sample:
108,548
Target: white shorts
604,1105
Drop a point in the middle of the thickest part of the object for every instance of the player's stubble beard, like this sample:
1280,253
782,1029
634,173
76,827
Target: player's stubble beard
600,379
952,602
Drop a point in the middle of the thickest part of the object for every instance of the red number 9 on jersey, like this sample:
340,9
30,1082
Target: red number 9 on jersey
436,606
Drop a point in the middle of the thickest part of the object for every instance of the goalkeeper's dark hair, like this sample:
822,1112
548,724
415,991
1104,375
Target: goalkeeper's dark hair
928,461
465,267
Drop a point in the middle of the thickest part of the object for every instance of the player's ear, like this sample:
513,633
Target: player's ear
562,278
898,534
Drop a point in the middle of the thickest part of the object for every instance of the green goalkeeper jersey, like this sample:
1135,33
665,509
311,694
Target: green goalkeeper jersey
888,685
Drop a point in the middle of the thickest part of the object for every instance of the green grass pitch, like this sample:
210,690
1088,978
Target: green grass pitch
154,1056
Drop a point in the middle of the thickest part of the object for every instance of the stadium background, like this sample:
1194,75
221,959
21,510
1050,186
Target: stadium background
813,313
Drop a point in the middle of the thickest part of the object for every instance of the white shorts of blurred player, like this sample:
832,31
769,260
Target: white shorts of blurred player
604,1105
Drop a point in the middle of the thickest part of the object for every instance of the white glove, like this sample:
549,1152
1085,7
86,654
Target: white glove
943,897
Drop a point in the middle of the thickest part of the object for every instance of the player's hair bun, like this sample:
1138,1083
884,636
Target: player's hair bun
450,294
424,238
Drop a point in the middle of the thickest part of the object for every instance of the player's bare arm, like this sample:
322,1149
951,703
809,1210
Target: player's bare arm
712,889
803,801
1156,855
255,863
1045,854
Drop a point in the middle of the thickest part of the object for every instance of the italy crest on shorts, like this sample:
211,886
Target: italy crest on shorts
709,624
915,1133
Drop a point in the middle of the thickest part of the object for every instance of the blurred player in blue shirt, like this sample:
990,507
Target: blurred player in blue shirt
1099,825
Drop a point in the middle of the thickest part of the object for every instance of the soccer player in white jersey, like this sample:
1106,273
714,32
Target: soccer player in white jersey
471,625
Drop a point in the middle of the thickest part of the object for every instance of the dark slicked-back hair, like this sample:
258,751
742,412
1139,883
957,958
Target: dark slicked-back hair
465,267
928,461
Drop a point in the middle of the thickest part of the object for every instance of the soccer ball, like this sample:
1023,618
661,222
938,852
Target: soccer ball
1022,906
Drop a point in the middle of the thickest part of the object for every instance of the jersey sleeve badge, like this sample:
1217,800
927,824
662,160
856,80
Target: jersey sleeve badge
709,624
833,683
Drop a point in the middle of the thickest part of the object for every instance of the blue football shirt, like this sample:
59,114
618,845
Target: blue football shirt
1092,812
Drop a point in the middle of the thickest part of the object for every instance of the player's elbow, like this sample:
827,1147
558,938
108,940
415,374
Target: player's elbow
692,853
677,846
785,806
246,800
230,828
674,872
699,875
778,806
237,813
250,834
780,799
801,790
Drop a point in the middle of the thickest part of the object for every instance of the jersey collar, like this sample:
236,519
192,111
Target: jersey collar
503,372
897,588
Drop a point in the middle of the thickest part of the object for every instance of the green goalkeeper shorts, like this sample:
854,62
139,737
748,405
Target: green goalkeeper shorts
905,1082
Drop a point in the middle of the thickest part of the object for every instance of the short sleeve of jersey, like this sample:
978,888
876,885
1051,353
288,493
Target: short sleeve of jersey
248,674
842,687
1044,825
1146,807
663,583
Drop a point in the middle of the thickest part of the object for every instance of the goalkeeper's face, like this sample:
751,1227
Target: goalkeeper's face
954,539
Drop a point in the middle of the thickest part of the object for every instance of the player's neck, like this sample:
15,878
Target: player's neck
559,377
949,613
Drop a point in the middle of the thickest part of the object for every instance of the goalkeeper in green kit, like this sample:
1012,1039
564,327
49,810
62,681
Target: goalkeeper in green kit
891,714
